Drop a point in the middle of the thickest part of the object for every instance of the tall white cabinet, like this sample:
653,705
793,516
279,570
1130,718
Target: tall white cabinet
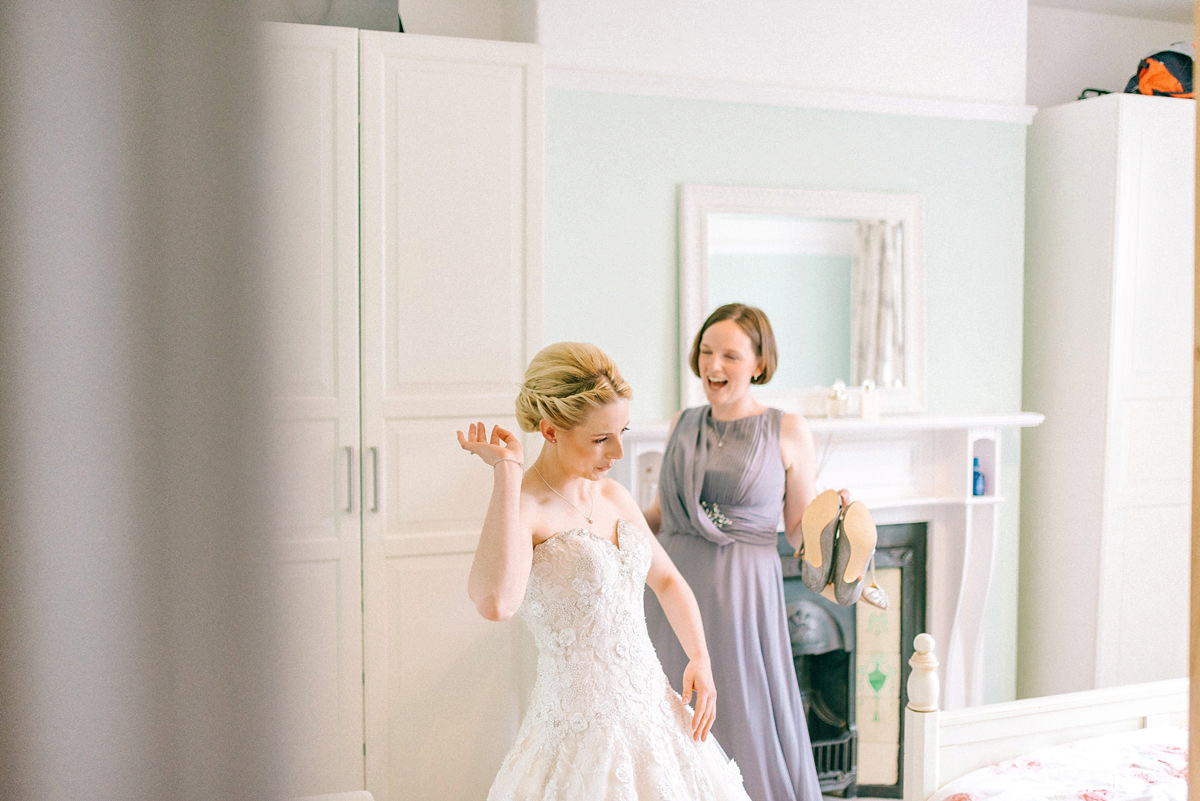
405,189
1106,479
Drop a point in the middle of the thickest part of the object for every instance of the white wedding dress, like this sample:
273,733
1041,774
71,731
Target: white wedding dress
603,723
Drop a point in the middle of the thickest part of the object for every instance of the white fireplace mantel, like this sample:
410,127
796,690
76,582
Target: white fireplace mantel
907,469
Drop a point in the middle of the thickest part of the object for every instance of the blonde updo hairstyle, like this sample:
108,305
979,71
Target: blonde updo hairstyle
564,382
754,322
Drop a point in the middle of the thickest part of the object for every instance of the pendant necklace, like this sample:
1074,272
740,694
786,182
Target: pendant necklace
587,517
719,433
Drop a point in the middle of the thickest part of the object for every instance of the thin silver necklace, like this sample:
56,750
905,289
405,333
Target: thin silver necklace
587,517
719,432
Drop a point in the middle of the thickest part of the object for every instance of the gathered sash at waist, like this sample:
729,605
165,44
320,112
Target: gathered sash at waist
729,537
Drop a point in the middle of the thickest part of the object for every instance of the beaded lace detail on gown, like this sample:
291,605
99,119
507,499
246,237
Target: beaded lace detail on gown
603,722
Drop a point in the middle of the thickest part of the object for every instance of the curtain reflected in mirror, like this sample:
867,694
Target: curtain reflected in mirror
877,310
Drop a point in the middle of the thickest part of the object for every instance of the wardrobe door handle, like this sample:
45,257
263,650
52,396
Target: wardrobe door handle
349,479
375,479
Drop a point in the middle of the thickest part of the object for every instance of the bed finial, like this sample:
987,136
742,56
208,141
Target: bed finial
923,688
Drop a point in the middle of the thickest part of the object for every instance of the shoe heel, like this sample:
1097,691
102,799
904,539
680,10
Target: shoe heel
818,526
855,549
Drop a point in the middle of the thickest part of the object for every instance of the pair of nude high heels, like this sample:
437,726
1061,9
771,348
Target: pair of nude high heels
837,549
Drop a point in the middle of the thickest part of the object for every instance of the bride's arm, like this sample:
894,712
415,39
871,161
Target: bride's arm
683,613
500,569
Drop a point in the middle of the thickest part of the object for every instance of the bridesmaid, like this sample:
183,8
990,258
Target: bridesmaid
729,469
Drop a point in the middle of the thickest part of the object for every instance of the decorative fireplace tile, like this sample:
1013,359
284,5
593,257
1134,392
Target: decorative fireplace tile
878,670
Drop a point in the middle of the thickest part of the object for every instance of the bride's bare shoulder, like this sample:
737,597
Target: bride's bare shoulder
627,508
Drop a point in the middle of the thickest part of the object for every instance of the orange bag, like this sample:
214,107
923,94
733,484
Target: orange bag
1167,73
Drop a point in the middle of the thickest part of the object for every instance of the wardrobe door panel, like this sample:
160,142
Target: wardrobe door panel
1151,453
1149,490
1109,362
451,149
310,160
452,221
452,709
419,451
1154,246
1146,607
313,713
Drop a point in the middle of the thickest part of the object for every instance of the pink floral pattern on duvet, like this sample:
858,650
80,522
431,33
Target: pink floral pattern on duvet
1144,765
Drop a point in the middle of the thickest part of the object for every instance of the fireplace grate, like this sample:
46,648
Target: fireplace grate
836,761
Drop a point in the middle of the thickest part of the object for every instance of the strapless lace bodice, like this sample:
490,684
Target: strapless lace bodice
584,607
603,721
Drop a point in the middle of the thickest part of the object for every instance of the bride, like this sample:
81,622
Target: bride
567,549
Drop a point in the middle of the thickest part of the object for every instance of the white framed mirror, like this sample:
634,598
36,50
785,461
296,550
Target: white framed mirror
839,274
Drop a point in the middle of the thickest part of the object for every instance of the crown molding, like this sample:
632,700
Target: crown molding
692,88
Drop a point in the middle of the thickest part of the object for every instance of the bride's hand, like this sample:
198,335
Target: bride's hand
697,677
501,445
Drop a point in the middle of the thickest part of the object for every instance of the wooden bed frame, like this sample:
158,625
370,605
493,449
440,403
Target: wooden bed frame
942,745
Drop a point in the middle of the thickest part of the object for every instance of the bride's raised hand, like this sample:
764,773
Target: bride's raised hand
491,449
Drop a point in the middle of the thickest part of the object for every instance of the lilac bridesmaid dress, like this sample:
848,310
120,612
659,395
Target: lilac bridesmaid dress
721,488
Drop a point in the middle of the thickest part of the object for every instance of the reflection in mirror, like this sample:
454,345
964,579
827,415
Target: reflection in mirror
838,274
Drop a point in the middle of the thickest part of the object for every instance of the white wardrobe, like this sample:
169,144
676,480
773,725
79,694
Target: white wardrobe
405,189
1106,479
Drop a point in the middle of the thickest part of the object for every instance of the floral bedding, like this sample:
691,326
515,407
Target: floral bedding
1143,765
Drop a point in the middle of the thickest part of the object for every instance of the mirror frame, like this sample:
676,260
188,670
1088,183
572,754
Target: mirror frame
697,202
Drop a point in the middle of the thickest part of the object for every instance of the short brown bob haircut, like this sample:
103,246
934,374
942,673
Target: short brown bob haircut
754,322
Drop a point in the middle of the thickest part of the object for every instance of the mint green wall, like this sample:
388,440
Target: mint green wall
614,164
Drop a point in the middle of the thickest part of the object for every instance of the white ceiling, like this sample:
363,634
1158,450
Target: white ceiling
1164,10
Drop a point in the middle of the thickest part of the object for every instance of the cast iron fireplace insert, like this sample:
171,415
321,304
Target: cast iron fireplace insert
824,641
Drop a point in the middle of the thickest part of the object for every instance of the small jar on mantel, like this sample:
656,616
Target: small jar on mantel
835,401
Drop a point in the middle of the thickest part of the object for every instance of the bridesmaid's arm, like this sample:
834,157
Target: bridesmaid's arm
653,513
800,463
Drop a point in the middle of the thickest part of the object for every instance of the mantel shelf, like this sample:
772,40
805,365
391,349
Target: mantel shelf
923,422
889,423
880,504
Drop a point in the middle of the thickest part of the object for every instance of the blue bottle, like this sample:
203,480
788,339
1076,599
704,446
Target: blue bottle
977,487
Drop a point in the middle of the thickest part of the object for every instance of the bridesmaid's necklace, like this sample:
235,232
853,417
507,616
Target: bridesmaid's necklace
587,517
719,431
721,427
